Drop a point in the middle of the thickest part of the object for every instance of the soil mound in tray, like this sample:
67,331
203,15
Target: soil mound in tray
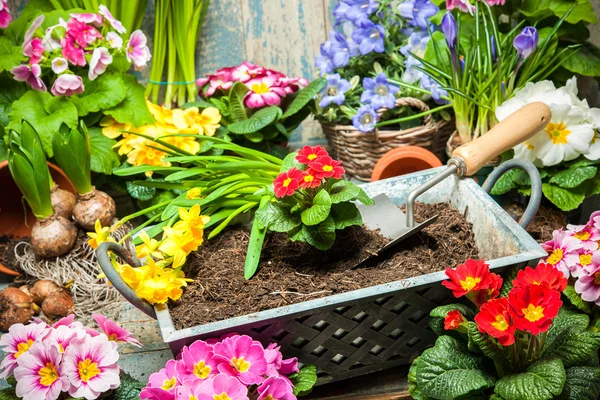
7,252
292,272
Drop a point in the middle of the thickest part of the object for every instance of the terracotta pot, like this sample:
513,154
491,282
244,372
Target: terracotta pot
16,219
404,160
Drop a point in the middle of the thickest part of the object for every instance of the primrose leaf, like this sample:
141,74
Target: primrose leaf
8,394
236,101
321,236
505,183
583,383
573,176
345,215
484,343
129,388
537,10
576,300
10,56
133,109
442,311
543,380
139,192
11,92
106,91
413,389
344,191
276,216
565,199
319,211
259,120
201,104
290,161
564,320
585,62
448,370
304,96
304,380
102,156
574,346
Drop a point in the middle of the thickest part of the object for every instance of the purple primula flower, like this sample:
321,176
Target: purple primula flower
323,62
339,12
434,88
418,12
30,74
67,85
334,91
378,92
369,37
417,44
360,10
526,42
450,31
365,119
340,50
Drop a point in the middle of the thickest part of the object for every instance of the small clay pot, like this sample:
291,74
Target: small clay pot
404,160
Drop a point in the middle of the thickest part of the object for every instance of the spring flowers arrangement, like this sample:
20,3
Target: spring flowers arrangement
234,367
366,56
518,342
48,362
258,104
566,152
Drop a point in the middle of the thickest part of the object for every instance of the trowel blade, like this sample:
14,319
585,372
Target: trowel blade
383,215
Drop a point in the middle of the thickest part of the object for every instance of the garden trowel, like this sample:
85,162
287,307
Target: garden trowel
465,161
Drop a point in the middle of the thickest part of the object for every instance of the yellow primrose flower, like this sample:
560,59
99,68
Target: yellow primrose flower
128,143
146,155
185,143
113,129
191,120
148,248
162,115
100,236
193,193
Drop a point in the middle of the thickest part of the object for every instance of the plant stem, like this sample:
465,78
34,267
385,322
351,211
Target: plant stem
411,117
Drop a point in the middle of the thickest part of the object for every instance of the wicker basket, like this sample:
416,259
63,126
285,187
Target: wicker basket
360,151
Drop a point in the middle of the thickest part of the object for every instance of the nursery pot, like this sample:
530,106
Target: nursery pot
404,160
16,218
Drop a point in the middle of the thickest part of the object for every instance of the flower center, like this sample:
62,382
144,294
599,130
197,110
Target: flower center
597,278
558,132
501,324
332,91
87,369
533,313
169,383
61,348
23,347
192,397
240,364
584,235
48,374
260,88
327,168
375,34
309,178
381,90
113,337
201,370
585,259
130,49
528,146
287,182
270,397
555,257
222,396
312,156
366,119
469,282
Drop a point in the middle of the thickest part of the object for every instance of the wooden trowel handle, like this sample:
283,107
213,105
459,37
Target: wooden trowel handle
516,128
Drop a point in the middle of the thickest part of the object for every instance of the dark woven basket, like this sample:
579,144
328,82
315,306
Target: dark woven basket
360,151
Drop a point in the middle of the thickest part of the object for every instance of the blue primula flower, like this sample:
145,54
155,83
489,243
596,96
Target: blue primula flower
360,10
436,91
369,37
335,53
365,119
334,91
418,12
378,92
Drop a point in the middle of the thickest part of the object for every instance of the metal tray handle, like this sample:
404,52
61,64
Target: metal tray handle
536,186
115,278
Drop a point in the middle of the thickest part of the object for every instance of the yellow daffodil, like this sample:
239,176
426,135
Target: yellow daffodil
101,235
158,285
193,193
192,220
146,155
191,120
148,248
178,245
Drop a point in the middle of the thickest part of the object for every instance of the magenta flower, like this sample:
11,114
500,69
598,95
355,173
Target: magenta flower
585,264
276,389
246,71
222,387
5,16
83,33
588,234
31,75
243,358
52,39
115,23
17,342
563,251
72,51
495,2
67,85
137,50
114,41
62,336
32,28
114,332
263,92
163,384
197,362
101,59
91,366
462,5
59,65
595,220
291,85
189,390
34,49
39,374
88,18
69,321
277,366
588,286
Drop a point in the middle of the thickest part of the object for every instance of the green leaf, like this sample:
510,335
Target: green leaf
449,370
259,120
276,216
537,10
102,156
255,244
8,394
11,92
565,199
304,380
564,320
583,383
586,61
290,161
304,96
10,56
319,211
543,380
484,343
573,176
133,109
508,279
505,183
413,389
321,236
129,389
345,215
236,101
106,91
344,191
140,192
442,311
201,104
576,300
574,346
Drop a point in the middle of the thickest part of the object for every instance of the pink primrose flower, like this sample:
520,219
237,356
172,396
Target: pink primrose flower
62,336
563,251
588,285
67,85
243,358
115,23
69,321
59,65
34,49
197,362
263,92
246,71
222,387
137,50
276,389
39,373
5,16
88,18
163,384
33,27
31,75
277,366
100,60
588,234
72,51
83,33
17,342
114,332
114,40
462,5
